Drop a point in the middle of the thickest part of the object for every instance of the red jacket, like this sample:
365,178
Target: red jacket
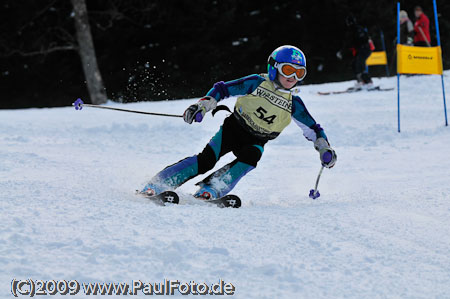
424,23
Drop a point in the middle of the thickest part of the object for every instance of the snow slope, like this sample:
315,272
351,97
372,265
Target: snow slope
381,228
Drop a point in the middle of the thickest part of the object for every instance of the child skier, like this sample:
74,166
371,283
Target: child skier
264,107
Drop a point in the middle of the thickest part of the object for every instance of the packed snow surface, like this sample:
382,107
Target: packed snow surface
381,228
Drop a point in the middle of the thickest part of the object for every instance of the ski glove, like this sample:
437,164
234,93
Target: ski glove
327,154
197,111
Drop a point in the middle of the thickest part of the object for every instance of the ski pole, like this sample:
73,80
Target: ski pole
424,37
79,104
314,193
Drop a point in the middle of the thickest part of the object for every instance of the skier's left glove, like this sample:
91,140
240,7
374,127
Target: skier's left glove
197,111
327,154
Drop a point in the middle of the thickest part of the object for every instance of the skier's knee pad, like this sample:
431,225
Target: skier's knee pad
206,159
250,154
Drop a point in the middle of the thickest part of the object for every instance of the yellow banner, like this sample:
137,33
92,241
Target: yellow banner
377,58
419,60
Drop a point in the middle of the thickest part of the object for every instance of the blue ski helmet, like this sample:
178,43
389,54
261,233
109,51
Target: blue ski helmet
285,54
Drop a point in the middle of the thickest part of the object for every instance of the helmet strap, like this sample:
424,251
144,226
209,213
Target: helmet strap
272,61
277,82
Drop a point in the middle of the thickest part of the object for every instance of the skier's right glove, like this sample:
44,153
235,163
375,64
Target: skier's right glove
327,154
197,111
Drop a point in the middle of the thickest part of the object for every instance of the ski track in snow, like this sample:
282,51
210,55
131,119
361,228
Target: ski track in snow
381,228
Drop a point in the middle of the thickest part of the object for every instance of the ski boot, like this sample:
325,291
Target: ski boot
151,190
357,87
206,193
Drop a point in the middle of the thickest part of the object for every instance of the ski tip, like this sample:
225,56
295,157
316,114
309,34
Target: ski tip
234,201
162,198
227,201
231,201
171,197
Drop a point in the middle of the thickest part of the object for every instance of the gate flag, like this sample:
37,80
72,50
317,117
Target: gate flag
419,60
377,58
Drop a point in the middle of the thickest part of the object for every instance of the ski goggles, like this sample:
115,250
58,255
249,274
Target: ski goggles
289,70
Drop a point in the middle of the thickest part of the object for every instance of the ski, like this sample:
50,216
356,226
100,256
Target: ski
227,201
352,90
162,198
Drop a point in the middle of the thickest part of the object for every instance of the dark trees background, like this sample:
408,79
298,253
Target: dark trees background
164,49
86,50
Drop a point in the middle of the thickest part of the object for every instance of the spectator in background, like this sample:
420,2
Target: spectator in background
406,29
357,43
421,28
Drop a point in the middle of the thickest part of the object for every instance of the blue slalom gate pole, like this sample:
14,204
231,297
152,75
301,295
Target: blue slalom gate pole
398,75
445,105
398,101
384,49
439,44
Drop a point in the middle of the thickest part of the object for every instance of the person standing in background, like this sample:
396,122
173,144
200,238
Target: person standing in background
421,28
406,29
357,43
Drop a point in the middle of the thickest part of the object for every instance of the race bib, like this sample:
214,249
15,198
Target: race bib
266,110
